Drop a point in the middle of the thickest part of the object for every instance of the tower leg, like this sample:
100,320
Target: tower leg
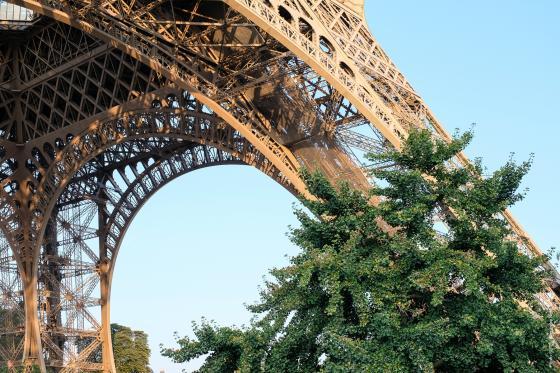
32,352
105,276
107,346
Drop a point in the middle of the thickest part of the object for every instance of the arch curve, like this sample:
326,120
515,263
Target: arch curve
188,140
111,24
160,173
181,124
186,72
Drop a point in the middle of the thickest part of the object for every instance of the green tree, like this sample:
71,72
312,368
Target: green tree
130,349
445,290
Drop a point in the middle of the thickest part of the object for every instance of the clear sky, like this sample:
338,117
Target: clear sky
202,244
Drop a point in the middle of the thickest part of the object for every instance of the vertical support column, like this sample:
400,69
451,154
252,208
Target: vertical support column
105,276
50,277
32,351
28,266
107,346
26,252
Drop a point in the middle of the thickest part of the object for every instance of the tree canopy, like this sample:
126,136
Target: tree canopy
130,350
419,274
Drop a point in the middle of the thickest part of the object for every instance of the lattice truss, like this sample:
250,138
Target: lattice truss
12,318
113,187
104,102
68,281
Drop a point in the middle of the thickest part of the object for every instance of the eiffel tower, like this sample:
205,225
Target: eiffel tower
103,102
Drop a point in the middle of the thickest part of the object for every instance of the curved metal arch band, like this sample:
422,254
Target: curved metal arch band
143,49
100,136
160,174
126,208
139,39
107,27
123,204
193,126
125,211
355,88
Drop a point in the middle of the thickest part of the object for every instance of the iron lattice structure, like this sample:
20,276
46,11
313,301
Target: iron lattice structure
103,102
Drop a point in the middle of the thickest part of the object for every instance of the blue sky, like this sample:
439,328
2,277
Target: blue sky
202,244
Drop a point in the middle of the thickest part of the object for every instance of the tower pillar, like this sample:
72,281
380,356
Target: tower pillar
107,345
105,277
32,350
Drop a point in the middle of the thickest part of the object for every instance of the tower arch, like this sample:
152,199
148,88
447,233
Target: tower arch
291,83
133,173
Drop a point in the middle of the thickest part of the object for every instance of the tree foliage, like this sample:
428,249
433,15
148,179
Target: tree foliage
445,290
130,350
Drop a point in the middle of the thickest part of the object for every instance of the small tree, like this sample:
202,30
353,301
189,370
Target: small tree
445,289
130,350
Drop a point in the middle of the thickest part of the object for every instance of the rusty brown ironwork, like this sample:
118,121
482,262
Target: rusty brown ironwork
104,102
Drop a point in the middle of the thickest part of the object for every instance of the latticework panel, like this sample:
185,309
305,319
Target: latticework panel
103,102
108,79
55,75
12,317
68,286
75,251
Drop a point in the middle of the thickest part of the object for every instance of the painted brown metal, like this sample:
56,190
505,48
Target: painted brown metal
104,102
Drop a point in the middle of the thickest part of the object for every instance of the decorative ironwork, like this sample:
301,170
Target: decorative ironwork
104,102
